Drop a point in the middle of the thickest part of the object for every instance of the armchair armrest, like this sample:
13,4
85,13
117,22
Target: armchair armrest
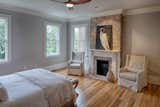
124,69
141,76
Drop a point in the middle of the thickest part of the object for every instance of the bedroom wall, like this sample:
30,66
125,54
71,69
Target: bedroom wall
141,35
28,43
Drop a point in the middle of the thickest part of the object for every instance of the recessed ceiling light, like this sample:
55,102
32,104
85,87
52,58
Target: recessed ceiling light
69,5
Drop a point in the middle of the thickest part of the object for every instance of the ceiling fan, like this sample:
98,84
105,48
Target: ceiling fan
71,3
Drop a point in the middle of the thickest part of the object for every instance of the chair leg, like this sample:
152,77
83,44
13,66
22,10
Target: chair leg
75,83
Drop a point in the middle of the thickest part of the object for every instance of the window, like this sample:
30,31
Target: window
52,40
79,38
4,38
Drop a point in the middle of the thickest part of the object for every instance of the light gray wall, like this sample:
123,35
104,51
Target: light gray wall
141,35
28,33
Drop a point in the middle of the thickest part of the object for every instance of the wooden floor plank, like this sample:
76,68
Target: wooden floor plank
96,93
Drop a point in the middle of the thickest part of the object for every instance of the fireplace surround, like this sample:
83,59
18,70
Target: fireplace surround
113,58
105,44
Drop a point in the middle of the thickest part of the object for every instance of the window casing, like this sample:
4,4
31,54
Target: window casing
52,39
5,38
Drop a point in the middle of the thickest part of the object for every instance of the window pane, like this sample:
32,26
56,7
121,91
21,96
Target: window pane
3,39
79,42
53,33
76,35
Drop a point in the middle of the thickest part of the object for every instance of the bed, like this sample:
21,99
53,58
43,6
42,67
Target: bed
38,88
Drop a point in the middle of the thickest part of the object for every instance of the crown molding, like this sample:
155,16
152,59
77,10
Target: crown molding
12,8
126,12
104,13
142,10
137,11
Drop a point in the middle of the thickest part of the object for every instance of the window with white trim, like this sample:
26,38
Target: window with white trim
4,38
52,39
79,38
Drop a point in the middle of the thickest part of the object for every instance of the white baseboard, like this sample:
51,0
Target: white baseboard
56,66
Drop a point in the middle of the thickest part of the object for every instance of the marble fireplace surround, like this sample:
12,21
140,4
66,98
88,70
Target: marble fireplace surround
114,54
114,62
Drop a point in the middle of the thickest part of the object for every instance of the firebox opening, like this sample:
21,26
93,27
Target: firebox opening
102,67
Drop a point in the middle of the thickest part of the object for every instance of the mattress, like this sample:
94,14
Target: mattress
37,88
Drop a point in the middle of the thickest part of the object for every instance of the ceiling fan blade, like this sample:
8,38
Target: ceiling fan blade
79,2
58,1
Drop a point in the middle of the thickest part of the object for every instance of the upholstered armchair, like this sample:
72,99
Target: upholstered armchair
134,74
76,64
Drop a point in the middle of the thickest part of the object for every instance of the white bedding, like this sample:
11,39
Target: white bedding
37,88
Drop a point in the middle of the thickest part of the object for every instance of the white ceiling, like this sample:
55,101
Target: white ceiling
59,10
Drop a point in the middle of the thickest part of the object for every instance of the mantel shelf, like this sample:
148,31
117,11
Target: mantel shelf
107,51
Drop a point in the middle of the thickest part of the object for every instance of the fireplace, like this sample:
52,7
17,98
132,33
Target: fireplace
102,67
105,44
102,62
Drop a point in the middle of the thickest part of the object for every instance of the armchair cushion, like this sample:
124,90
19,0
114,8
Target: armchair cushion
76,61
131,69
75,65
128,75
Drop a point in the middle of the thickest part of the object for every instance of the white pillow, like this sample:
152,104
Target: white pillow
3,93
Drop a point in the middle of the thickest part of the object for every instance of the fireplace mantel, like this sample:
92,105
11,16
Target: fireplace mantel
114,55
106,51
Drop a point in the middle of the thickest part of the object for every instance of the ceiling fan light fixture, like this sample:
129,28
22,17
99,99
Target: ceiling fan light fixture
69,5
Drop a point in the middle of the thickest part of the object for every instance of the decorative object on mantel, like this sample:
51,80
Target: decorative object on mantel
110,76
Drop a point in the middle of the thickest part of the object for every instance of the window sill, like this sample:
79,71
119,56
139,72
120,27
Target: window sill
3,62
53,55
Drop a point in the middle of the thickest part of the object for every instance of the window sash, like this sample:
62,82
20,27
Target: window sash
54,42
79,42
5,40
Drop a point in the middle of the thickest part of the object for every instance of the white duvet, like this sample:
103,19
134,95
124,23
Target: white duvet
37,88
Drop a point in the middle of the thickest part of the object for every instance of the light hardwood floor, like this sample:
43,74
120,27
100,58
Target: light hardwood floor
95,93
